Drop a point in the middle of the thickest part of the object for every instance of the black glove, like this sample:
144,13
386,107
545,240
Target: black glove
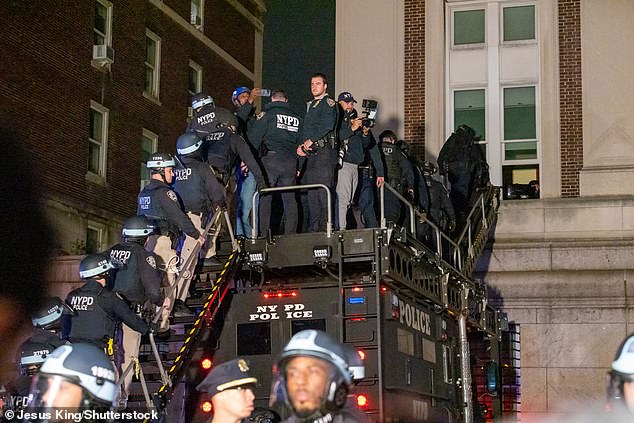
154,327
409,195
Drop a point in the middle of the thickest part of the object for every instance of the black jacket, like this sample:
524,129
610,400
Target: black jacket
320,119
278,128
137,279
223,149
197,186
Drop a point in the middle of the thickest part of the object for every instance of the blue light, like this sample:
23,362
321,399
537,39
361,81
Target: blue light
356,300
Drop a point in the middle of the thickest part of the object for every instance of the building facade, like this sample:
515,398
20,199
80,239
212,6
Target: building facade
547,86
92,88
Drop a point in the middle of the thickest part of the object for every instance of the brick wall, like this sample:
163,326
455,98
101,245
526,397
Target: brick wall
47,83
570,96
414,117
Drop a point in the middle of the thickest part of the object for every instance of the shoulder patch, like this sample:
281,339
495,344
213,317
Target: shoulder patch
151,261
260,115
172,195
331,102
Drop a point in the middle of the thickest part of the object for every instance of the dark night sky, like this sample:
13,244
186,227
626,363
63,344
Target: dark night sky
299,40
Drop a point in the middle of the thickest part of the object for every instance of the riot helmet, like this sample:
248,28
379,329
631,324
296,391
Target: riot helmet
390,135
49,316
157,164
95,266
622,373
78,376
188,144
32,356
138,228
201,99
225,119
429,169
318,345
236,93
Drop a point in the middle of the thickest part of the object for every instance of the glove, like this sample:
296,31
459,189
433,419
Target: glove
452,226
410,195
154,327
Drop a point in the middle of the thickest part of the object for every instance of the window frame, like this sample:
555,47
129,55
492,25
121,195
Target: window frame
103,144
518,4
108,35
145,133
453,91
452,40
537,139
199,77
156,67
101,230
201,14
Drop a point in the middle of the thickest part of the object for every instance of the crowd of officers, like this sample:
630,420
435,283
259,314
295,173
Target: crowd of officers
223,158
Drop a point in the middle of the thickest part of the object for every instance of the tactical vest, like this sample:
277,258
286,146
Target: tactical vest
219,151
149,206
127,280
188,183
392,153
91,324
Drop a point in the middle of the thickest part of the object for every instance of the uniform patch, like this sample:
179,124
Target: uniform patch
151,261
244,367
172,195
260,115
330,102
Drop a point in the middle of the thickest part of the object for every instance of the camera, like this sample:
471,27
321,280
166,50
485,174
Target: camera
265,92
370,109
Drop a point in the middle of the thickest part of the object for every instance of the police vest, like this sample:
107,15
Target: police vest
393,158
189,184
127,279
91,323
148,205
219,150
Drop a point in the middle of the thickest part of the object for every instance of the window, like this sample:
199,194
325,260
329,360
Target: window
469,109
519,23
300,325
149,146
98,139
254,339
195,84
429,350
197,13
94,238
152,64
103,23
468,27
405,341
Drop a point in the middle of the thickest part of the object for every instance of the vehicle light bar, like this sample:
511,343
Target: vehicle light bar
322,252
279,294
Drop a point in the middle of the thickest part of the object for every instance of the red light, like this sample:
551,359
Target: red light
266,295
357,289
293,294
362,401
206,364
383,290
358,319
361,354
206,407
279,294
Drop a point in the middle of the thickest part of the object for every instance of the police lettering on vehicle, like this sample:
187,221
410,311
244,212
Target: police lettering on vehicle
289,123
275,312
182,174
82,303
120,256
412,316
145,202
206,118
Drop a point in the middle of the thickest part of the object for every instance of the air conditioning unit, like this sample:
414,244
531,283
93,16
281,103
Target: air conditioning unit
103,54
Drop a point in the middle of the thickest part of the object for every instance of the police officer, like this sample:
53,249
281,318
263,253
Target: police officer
399,174
275,135
203,108
158,201
320,149
356,141
621,376
441,211
137,281
97,310
201,194
76,378
230,386
312,378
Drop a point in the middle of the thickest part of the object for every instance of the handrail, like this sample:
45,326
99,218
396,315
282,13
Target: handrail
254,231
457,255
412,220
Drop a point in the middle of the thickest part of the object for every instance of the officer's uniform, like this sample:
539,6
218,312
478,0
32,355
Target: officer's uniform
201,193
275,135
400,176
98,311
319,127
355,146
441,212
137,281
158,201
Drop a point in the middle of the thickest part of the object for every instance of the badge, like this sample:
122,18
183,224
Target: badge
244,367
260,115
151,261
172,195
330,102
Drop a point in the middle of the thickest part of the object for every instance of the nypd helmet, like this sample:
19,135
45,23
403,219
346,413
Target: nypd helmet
49,316
94,266
32,355
159,161
188,144
138,227
621,370
236,93
201,99
75,376
225,119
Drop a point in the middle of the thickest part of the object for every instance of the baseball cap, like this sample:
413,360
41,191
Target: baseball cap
347,97
230,374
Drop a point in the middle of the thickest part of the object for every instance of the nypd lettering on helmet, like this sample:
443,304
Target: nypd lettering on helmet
182,174
289,123
120,256
207,118
145,202
81,303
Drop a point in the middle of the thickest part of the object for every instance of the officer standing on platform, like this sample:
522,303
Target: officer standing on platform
320,148
98,311
275,135
137,281
158,201
200,192
400,176
441,211
355,141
